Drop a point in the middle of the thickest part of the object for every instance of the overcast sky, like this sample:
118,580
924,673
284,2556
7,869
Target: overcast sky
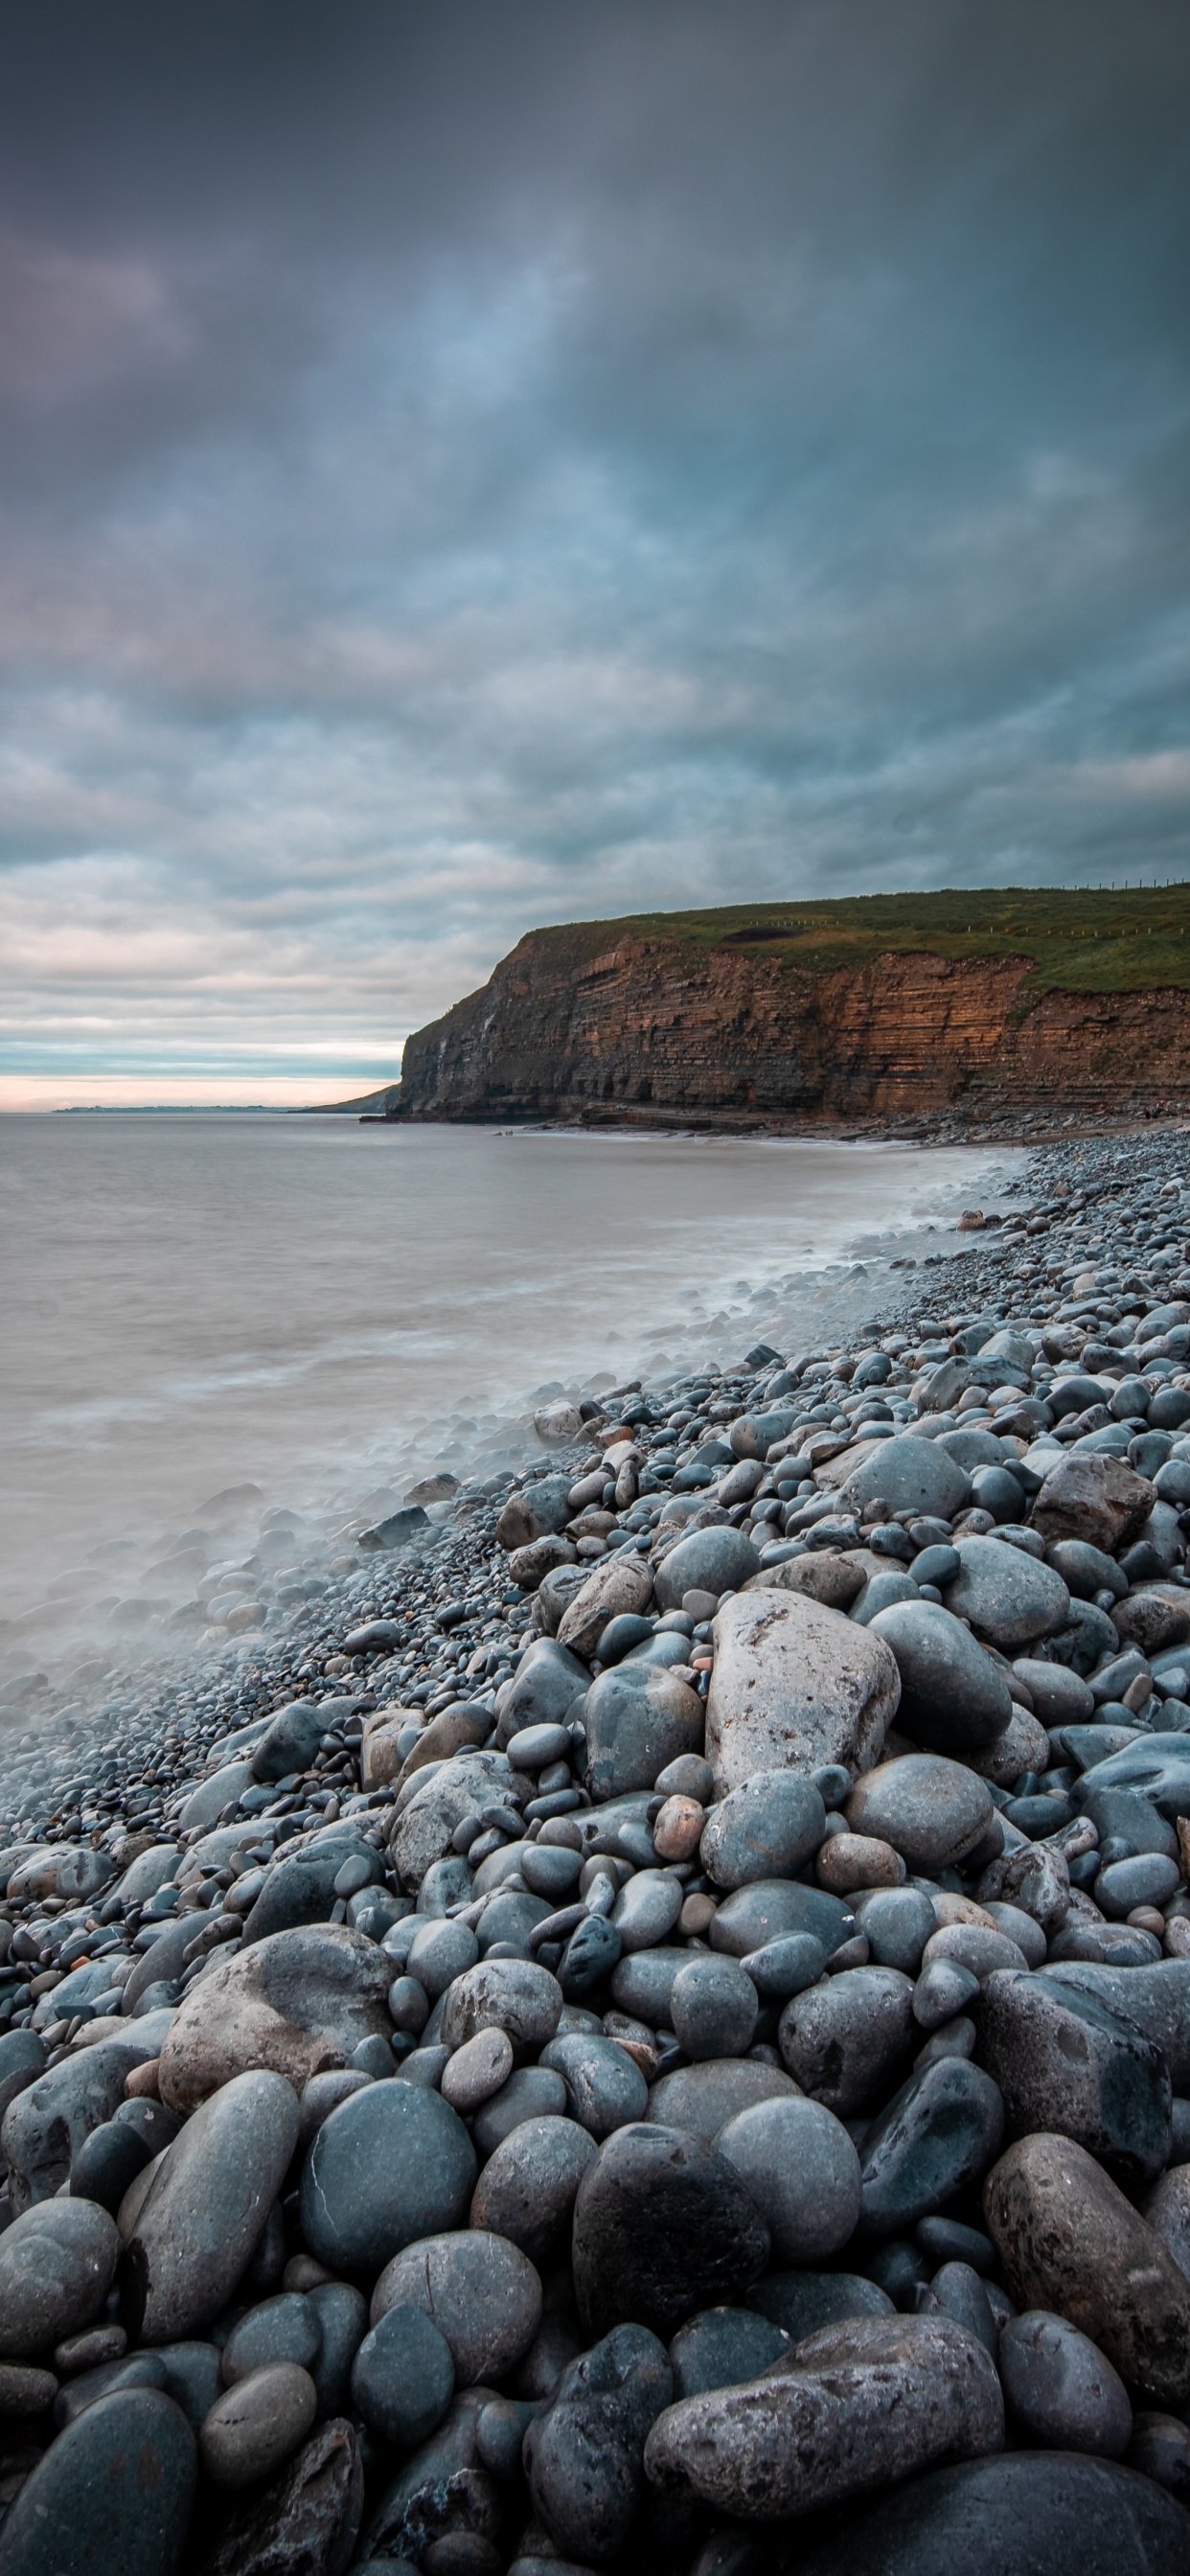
478,464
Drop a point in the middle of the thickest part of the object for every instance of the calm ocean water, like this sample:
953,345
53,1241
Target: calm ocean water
194,1300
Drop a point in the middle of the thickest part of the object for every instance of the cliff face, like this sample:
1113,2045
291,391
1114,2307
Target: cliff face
568,1026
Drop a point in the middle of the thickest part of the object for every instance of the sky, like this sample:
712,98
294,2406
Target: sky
508,461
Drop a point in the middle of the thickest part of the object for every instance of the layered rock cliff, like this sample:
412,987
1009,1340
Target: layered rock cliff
609,1020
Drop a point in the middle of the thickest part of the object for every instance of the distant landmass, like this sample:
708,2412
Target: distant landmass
873,1006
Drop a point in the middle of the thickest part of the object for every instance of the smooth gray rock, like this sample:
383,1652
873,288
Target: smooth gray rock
342,2314
1047,2510
111,2497
638,1719
531,2093
1010,1599
931,1810
403,2376
584,2456
702,2099
858,2405
1066,2061
439,1953
547,1682
299,1888
786,1967
426,1818
45,2125
1157,1765
482,2292
604,2087
802,2302
714,2007
290,1740
515,1995
767,1828
192,2375
797,2161
646,1909
642,1983
847,2041
912,1474
56,2266
297,2003
391,2165
953,1698
257,2425
22,2060
1060,1697
938,2135
527,2189
206,2208
723,2348
771,1909
710,1560
896,1923
662,2227
1060,2388
284,2328
795,1686
1155,1997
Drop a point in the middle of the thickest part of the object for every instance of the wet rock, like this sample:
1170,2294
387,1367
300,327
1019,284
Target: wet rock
775,1909
1097,1499
584,2457
206,2209
515,1995
801,2169
47,2122
1069,2240
257,2425
932,1811
527,2189
1068,2516
767,1828
662,2227
702,2099
305,2525
794,1686
482,2292
860,2405
638,1718
723,2348
403,2376
847,2040
111,2497
1010,1599
390,2166
953,1698
1065,2061
938,2135
604,2087
713,2006
1156,1765
1060,2388
56,2266
297,2003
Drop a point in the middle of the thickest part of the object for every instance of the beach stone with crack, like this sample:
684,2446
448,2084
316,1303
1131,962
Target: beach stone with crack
703,2098
662,2226
56,2266
911,1474
47,2121
802,2171
403,2376
112,2496
257,2425
795,1686
767,1828
481,2291
391,2165
1066,2061
307,2521
527,2188
297,2003
848,2040
856,2407
638,1718
1069,2240
931,1810
515,1995
206,2208
584,2456
1048,2510
936,2137
621,1583
1060,2388
1095,1498
1010,1599
953,1698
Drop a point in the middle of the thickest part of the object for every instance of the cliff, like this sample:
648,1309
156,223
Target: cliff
880,1007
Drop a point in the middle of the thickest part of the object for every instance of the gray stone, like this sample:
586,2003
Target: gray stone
284,2328
911,1474
221,1789
1068,2240
257,2425
1060,2388
111,2497
802,2171
515,1995
527,2188
22,2060
767,1828
642,1984
56,2266
47,2121
896,1923
290,1740
943,1989
621,1583
714,2008
662,2227
638,1719
1047,2510
342,2314
1167,2209
441,2491
860,2404
723,2348
299,1889
440,1952
547,1683
584,2456
531,2093
1067,2061
784,1968
426,1821
646,1909
937,2136
192,2376
702,2099
1009,1598
206,2208
953,1698
403,2376
1060,1697
306,2524
482,2292
795,1686
932,1811
1094,1498
1148,1879
803,2302
393,2164
1086,1570
1157,1765
604,2087
771,1909
297,2003
710,1560
848,2040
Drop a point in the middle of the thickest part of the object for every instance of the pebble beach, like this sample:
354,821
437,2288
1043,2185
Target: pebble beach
633,2009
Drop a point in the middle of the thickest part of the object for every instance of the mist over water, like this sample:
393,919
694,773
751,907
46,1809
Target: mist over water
330,1311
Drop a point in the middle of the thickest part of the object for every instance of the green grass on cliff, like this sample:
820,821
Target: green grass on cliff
1093,940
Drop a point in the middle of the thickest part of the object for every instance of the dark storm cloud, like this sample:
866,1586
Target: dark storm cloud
472,466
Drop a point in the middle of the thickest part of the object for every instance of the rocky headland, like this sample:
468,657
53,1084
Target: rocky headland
647,2024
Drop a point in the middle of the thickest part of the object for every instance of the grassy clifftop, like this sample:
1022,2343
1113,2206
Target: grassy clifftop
1086,941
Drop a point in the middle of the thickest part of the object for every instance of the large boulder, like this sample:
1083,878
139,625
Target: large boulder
662,2226
1069,2240
795,1686
298,2002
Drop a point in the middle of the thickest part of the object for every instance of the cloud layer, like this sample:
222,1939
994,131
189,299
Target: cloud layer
472,467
